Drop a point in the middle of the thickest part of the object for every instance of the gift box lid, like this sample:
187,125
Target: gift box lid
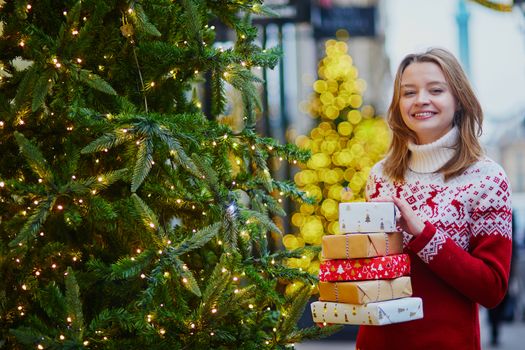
367,217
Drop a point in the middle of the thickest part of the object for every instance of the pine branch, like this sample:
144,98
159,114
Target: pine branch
101,211
261,200
41,88
70,165
98,267
263,282
5,106
218,96
193,20
34,222
52,301
295,308
291,190
30,76
263,173
264,10
74,304
165,54
245,245
268,58
39,39
98,183
131,267
30,336
243,80
149,219
107,141
147,128
177,151
73,15
170,259
94,81
218,283
188,280
141,21
34,158
143,164
109,318
297,253
310,333
263,220
293,274
197,240
259,238
211,177
287,151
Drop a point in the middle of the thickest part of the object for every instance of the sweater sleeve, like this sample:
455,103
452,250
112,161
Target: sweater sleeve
481,272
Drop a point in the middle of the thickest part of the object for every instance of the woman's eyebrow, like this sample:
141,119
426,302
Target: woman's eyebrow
437,82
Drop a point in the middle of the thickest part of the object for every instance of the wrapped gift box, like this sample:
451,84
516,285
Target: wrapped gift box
364,292
367,217
362,245
384,267
380,313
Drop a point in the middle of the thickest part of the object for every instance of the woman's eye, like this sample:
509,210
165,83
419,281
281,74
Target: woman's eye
436,91
408,93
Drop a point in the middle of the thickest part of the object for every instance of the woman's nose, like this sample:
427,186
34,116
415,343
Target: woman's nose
422,98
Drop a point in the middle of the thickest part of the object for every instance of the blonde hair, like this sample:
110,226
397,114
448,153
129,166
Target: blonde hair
468,118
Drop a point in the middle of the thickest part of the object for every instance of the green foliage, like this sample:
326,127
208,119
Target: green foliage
34,157
94,81
128,218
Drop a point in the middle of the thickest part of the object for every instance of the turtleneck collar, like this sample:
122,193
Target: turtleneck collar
430,157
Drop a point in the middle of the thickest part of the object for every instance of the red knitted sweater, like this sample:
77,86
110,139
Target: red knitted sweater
461,259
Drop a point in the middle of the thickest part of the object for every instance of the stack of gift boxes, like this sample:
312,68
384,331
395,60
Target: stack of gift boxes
364,278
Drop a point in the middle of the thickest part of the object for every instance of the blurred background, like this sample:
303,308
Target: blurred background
487,36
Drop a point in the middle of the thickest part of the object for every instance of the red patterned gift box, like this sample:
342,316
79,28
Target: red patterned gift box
384,267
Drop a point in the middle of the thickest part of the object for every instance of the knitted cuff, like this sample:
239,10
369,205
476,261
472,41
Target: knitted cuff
423,238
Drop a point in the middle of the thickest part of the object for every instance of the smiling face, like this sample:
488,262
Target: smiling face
426,102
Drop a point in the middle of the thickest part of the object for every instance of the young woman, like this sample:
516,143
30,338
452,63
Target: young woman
454,206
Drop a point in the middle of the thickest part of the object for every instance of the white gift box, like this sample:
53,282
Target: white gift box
379,313
367,217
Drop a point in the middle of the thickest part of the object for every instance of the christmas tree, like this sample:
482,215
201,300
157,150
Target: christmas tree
348,139
130,218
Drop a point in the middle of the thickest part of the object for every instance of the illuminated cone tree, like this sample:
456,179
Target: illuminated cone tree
347,141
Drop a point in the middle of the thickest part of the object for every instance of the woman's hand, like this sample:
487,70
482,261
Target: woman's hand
408,220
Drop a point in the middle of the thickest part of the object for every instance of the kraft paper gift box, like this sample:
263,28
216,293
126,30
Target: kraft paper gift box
384,267
380,313
362,245
364,292
367,217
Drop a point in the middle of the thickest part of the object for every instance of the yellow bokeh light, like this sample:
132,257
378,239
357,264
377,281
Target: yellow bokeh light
344,128
354,116
320,86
